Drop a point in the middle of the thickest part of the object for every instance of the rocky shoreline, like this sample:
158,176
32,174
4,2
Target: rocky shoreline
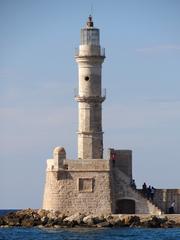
48,219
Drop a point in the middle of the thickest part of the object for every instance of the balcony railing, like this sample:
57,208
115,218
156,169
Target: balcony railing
76,95
78,53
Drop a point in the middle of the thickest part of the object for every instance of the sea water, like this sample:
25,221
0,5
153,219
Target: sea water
16,233
35,233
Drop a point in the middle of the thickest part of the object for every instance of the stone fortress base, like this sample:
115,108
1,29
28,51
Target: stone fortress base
99,187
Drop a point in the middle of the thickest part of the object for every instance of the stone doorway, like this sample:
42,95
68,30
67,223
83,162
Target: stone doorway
125,206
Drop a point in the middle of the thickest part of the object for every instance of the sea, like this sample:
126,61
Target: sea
35,233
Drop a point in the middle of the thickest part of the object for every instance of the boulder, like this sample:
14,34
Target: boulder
30,218
125,220
103,224
55,217
59,220
2,221
92,220
75,219
155,222
50,223
115,220
44,220
42,212
169,224
28,222
88,220
134,221
52,214
11,221
98,219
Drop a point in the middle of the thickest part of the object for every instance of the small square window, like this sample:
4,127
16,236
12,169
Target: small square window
85,184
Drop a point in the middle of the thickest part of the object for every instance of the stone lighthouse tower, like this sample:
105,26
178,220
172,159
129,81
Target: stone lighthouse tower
90,57
91,184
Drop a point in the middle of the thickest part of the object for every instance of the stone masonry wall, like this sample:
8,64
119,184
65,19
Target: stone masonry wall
71,191
121,190
121,159
164,197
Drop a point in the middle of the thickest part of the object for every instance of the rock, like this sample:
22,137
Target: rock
28,222
57,217
2,221
115,220
26,214
50,223
42,213
27,218
169,224
173,220
103,224
56,220
154,222
52,214
59,220
92,220
30,218
11,221
134,221
75,219
125,219
44,220
37,221
98,219
88,220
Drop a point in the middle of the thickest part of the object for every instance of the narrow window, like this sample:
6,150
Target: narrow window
86,78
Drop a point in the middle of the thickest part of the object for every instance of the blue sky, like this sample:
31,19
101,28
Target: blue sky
38,75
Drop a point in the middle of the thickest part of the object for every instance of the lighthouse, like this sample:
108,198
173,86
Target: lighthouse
91,184
89,58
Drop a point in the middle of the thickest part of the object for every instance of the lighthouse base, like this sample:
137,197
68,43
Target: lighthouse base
95,186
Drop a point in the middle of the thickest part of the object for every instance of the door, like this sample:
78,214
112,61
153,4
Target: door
125,206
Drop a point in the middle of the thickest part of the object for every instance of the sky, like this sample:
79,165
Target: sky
38,74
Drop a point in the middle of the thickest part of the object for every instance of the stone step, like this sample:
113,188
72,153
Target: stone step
120,176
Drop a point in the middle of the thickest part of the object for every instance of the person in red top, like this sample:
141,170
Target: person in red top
113,157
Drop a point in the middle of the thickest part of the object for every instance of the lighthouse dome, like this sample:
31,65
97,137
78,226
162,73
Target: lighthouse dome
59,150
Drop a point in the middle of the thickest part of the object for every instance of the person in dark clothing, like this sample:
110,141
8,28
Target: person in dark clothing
152,193
133,184
171,209
144,189
113,157
149,192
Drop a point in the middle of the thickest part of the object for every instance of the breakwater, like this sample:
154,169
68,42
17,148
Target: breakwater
43,218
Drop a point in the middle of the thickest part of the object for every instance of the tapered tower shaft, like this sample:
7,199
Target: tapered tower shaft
90,57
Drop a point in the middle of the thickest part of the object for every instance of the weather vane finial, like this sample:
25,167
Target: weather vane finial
90,22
